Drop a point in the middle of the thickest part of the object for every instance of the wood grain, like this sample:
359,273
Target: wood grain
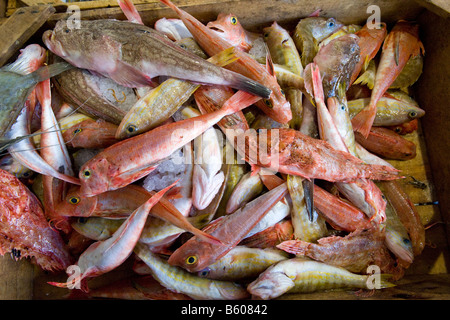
20,27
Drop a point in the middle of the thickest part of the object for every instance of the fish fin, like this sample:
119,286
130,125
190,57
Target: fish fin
269,62
308,188
52,70
317,83
297,247
224,57
384,283
130,11
363,121
128,76
397,52
366,62
239,101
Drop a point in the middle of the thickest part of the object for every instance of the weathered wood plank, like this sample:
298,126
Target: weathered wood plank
16,279
20,27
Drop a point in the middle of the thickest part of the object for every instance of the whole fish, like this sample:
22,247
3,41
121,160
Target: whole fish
16,87
135,157
387,143
370,41
309,32
24,228
291,152
242,263
181,281
103,256
274,106
135,54
354,252
390,111
195,254
163,101
230,29
400,45
300,275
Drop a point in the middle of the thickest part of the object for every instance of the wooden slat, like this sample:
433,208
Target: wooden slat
439,7
20,27
16,279
3,5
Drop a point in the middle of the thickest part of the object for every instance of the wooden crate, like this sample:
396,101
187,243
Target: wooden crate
429,276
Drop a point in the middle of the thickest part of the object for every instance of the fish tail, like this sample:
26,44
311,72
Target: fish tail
239,101
363,121
224,57
384,281
240,82
130,11
297,247
47,72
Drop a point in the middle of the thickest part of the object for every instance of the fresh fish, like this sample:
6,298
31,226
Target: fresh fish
354,252
249,187
271,236
406,212
284,52
274,106
181,281
91,134
136,54
291,152
242,263
97,228
300,275
163,101
195,254
305,229
370,41
400,45
173,28
228,27
387,144
309,32
103,256
390,111
25,229
135,157
8,163
16,84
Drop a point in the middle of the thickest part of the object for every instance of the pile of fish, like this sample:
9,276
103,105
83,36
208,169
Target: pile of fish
223,163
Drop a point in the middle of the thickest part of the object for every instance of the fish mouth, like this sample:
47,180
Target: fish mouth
49,38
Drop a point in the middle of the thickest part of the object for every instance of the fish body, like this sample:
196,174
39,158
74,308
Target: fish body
370,41
174,29
400,45
300,275
196,254
248,187
241,263
276,106
135,157
133,54
309,32
271,236
390,111
291,152
181,281
25,229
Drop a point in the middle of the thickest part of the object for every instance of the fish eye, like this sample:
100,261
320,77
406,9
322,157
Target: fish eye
342,107
191,259
233,20
406,241
74,200
266,35
67,30
82,220
282,92
204,272
397,130
268,103
86,173
412,114
77,131
131,128
26,174
330,24
183,46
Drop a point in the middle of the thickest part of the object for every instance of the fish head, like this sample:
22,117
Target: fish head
95,177
400,245
32,57
192,256
320,27
75,204
83,45
229,28
415,112
270,284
